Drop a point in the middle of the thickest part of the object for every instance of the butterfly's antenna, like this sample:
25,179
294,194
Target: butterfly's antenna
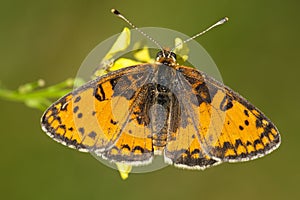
118,14
220,22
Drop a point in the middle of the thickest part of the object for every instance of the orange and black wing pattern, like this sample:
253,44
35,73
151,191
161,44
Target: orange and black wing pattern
100,117
220,125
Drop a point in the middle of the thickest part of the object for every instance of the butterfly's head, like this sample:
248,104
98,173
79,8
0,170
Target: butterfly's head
166,57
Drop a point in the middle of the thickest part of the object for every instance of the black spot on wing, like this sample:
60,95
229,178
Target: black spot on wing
205,92
113,82
77,99
75,109
113,122
246,113
226,103
258,123
125,146
138,148
92,135
256,142
99,93
81,130
241,127
238,143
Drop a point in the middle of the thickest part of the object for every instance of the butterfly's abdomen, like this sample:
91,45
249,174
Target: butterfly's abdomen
160,115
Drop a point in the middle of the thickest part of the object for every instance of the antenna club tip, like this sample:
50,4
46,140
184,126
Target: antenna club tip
114,11
223,20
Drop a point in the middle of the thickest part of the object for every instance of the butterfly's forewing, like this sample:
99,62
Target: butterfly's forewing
230,128
99,116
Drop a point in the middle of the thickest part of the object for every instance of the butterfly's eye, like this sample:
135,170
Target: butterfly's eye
159,55
173,55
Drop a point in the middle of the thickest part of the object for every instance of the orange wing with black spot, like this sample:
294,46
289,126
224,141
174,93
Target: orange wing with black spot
219,126
99,117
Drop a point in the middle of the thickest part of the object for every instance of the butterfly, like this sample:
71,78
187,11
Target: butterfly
163,108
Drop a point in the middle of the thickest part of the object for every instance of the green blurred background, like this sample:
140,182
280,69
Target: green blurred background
257,53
